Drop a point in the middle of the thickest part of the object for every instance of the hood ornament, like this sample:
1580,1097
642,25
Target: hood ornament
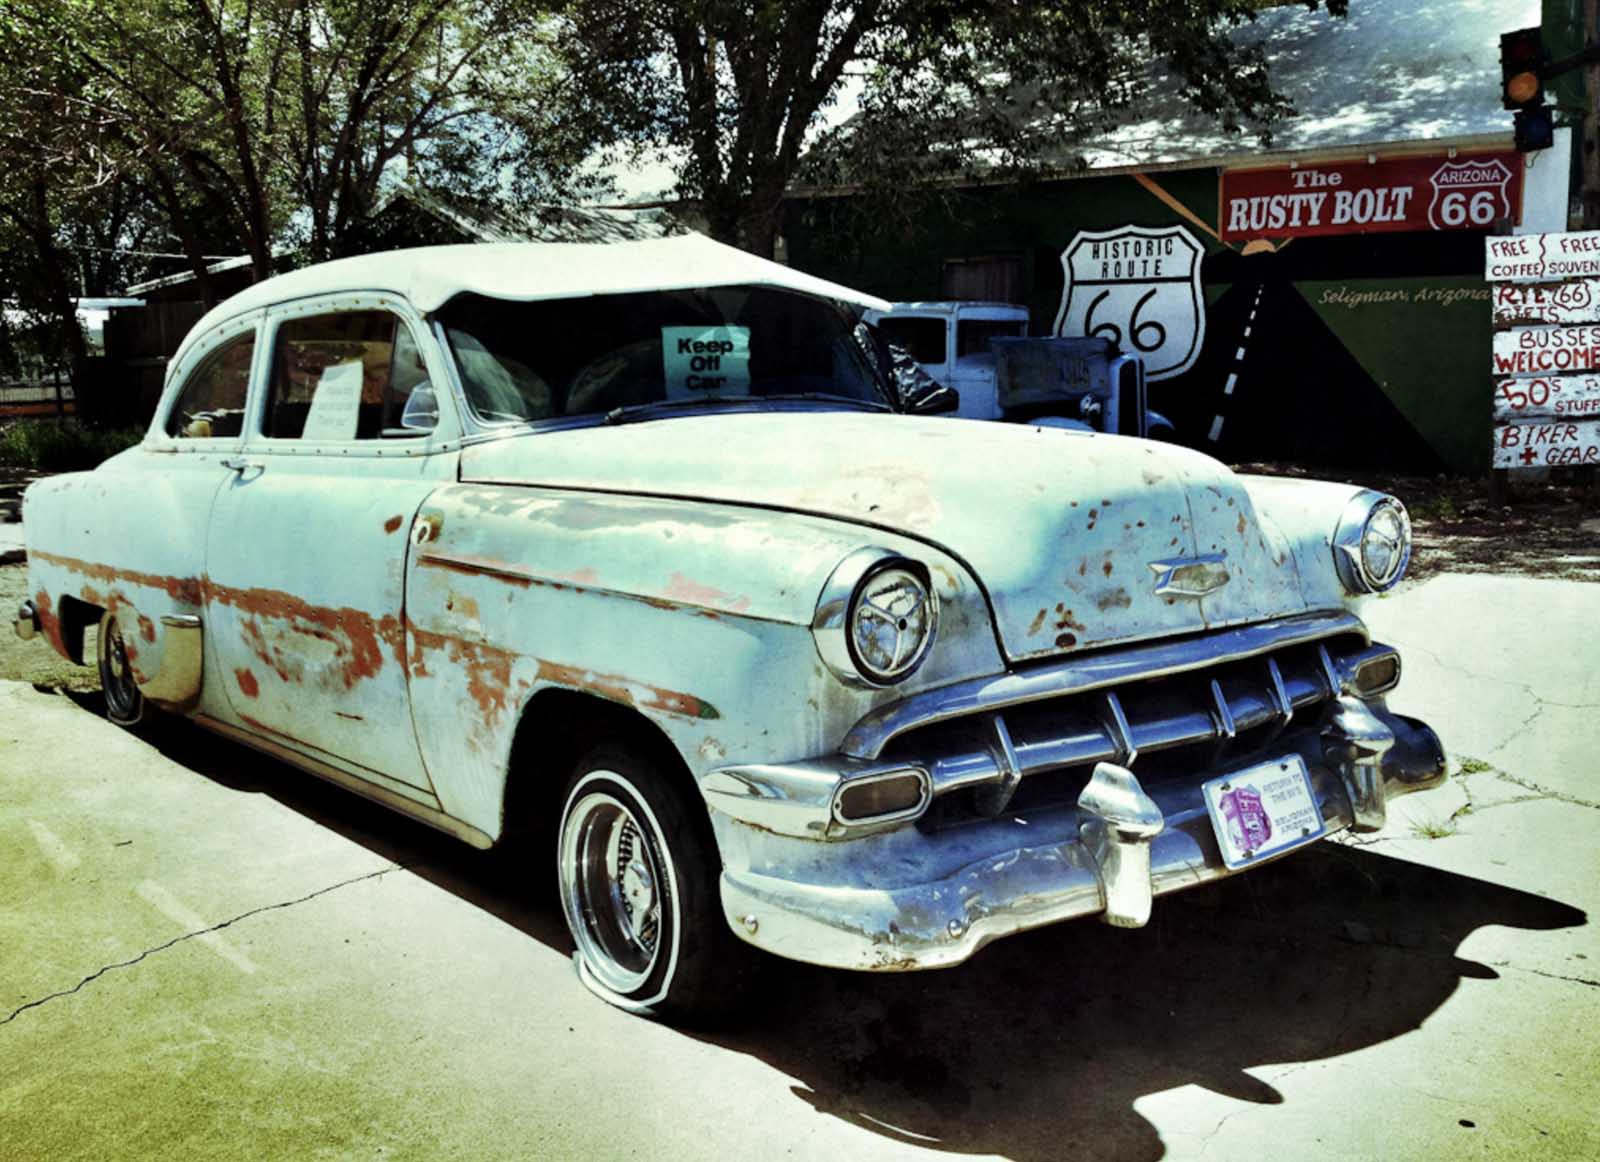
1191,576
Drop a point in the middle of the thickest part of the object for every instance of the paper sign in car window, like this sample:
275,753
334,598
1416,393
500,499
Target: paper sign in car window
705,361
336,408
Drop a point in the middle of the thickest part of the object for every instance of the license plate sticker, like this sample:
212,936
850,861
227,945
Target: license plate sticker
1263,810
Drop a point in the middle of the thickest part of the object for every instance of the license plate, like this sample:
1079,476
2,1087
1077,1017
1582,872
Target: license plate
1263,810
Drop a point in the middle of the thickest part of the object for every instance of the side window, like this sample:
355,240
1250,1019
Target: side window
922,337
212,400
348,375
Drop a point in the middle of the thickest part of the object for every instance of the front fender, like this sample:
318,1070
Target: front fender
697,616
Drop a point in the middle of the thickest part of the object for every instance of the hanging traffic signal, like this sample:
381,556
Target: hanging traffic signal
1523,60
1521,55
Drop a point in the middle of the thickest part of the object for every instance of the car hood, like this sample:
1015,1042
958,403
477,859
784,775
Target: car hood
1064,530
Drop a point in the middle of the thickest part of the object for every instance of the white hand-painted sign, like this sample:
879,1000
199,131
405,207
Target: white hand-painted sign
1551,444
1547,302
336,407
1542,257
705,361
1140,288
1546,350
1547,397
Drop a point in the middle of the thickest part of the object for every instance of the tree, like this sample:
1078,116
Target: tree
283,119
738,87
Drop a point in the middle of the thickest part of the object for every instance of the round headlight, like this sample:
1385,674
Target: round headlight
1373,543
876,618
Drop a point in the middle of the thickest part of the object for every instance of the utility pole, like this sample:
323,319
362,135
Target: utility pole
1591,121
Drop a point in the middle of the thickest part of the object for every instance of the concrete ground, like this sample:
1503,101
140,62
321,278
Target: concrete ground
206,954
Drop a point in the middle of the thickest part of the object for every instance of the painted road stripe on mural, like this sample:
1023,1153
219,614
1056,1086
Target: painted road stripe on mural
1547,350
1548,398
1233,376
1550,444
1547,302
1542,257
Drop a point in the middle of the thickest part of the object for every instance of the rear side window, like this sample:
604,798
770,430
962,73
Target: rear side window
347,375
923,339
211,403
973,335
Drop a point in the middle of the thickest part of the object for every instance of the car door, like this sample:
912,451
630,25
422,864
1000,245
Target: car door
306,551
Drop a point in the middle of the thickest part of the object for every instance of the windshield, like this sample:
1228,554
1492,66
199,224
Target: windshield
661,349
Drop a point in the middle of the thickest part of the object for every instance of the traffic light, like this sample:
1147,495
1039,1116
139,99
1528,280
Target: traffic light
1521,55
1522,59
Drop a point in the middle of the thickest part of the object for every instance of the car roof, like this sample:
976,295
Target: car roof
430,276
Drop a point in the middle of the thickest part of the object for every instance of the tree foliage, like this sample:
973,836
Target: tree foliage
740,87
277,123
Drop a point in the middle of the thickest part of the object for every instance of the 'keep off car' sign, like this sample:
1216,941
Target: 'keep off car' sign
1355,197
1139,287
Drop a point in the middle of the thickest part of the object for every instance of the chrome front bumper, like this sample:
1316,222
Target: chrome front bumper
900,899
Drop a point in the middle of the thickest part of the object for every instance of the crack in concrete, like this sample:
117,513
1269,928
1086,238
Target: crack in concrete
1544,792
1466,673
99,972
1583,980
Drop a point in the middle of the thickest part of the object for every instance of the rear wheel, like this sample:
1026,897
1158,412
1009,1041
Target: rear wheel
124,702
638,869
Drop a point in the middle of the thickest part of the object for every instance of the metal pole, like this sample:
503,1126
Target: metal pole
1591,122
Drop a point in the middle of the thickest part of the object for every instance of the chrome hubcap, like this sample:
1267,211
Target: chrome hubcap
120,691
611,890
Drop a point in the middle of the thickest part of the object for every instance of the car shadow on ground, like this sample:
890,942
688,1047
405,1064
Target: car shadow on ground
1039,1047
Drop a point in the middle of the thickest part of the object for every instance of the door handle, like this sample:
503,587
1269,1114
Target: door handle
241,464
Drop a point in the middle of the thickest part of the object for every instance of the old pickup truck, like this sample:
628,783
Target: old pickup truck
634,548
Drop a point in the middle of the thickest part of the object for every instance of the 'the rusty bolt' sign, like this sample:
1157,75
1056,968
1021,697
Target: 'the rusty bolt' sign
1547,397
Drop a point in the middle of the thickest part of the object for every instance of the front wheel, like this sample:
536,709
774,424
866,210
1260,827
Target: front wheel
124,702
638,872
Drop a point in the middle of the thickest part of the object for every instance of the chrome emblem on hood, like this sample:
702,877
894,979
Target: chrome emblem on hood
1190,576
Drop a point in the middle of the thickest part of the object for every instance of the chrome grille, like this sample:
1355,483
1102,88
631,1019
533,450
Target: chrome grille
1174,724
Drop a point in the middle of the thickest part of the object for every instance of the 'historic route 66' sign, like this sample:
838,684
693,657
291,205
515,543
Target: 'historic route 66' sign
1140,288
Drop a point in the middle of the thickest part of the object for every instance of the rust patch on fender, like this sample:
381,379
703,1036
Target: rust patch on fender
627,692
474,566
248,686
49,623
1066,640
488,668
1117,598
147,628
688,592
393,523
1065,620
1038,622
187,590
1105,567
1243,524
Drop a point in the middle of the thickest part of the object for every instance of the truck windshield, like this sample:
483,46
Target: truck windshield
593,356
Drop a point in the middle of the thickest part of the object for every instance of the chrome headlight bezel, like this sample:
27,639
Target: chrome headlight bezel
1357,528
840,604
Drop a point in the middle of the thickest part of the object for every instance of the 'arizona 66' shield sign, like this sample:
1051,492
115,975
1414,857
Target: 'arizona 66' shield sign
1469,193
1139,287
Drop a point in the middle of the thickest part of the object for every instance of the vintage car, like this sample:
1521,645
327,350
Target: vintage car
634,551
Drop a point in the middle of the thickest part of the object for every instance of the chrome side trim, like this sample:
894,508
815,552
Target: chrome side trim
869,736
421,812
